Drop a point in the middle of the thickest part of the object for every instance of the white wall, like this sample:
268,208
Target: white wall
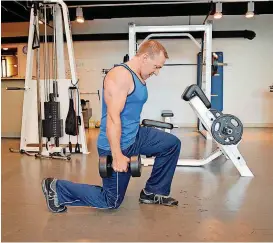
246,78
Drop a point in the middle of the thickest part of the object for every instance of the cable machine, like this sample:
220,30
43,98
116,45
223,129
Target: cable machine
52,115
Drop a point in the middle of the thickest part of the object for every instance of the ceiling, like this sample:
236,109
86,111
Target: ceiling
18,11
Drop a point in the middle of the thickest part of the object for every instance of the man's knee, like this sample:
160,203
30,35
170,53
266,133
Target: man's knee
175,142
115,205
114,202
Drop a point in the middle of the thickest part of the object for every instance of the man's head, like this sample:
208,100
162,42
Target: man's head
152,56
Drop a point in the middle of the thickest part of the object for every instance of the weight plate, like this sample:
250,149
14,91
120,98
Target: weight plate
216,114
105,166
227,129
135,166
214,65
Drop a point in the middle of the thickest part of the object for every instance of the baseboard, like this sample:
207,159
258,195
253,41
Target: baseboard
261,125
10,135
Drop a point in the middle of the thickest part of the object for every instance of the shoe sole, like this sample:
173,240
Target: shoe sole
146,201
46,194
150,202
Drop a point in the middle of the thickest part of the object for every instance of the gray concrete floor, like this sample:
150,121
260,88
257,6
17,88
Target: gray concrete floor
216,204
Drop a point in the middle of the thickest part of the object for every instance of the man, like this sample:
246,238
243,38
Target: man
124,94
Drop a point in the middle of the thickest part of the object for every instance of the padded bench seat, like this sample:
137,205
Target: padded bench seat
166,113
157,124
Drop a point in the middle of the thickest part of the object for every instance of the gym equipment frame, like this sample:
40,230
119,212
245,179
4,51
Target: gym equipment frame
179,30
200,104
34,89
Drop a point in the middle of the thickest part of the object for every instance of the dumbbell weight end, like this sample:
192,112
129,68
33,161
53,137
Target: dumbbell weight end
135,166
105,166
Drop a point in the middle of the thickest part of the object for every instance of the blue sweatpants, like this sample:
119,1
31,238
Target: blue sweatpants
149,141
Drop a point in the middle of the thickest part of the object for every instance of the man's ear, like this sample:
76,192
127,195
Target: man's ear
145,57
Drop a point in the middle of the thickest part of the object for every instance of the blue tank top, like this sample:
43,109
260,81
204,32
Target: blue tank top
130,115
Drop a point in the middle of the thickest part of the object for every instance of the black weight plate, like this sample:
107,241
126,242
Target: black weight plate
105,166
214,66
227,129
135,166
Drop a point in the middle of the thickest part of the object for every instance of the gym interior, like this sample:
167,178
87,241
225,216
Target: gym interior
215,93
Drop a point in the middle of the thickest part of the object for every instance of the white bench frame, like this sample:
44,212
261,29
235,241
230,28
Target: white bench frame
230,151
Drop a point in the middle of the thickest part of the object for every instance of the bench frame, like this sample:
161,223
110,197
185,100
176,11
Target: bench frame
231,152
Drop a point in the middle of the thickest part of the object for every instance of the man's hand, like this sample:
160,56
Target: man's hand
120,163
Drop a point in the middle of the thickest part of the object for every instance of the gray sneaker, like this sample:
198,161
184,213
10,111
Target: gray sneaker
49,190
151,198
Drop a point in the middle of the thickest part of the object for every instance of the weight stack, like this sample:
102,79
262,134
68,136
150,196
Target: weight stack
52,124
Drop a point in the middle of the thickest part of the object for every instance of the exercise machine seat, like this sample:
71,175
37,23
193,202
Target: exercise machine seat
167,113
157,124
194,90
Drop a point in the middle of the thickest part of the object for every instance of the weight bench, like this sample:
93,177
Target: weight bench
167,114
201,105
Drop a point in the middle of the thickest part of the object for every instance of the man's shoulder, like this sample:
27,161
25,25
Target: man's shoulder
119,73
119,69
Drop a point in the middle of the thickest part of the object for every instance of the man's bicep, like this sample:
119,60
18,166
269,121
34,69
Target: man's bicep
115,96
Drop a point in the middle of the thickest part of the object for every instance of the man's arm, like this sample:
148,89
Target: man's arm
116,88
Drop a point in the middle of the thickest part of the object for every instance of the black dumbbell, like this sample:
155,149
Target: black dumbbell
105,166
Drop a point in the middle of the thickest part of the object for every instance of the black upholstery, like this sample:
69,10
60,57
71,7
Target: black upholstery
167,113
194,90
158,124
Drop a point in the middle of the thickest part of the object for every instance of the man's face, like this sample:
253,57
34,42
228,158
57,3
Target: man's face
151,66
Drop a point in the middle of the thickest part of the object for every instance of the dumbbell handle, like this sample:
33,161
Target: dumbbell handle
104,158
105,165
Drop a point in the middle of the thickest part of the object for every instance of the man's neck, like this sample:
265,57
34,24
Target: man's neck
134,65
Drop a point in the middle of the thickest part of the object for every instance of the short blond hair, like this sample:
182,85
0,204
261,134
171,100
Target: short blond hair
152,47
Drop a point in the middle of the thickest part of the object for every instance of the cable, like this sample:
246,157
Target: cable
45,88
52,44
8,10
21,5
4,8
46,57
209,13
55,43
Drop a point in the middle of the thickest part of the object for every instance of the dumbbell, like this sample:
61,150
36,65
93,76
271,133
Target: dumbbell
106,170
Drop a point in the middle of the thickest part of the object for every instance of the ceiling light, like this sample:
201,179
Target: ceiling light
218,12
250,10
79,15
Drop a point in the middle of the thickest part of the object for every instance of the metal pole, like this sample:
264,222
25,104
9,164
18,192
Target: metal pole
28,78
132,40
38,87
172,34
59,43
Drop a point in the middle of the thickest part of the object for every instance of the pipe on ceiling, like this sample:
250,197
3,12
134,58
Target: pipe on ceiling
245,34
